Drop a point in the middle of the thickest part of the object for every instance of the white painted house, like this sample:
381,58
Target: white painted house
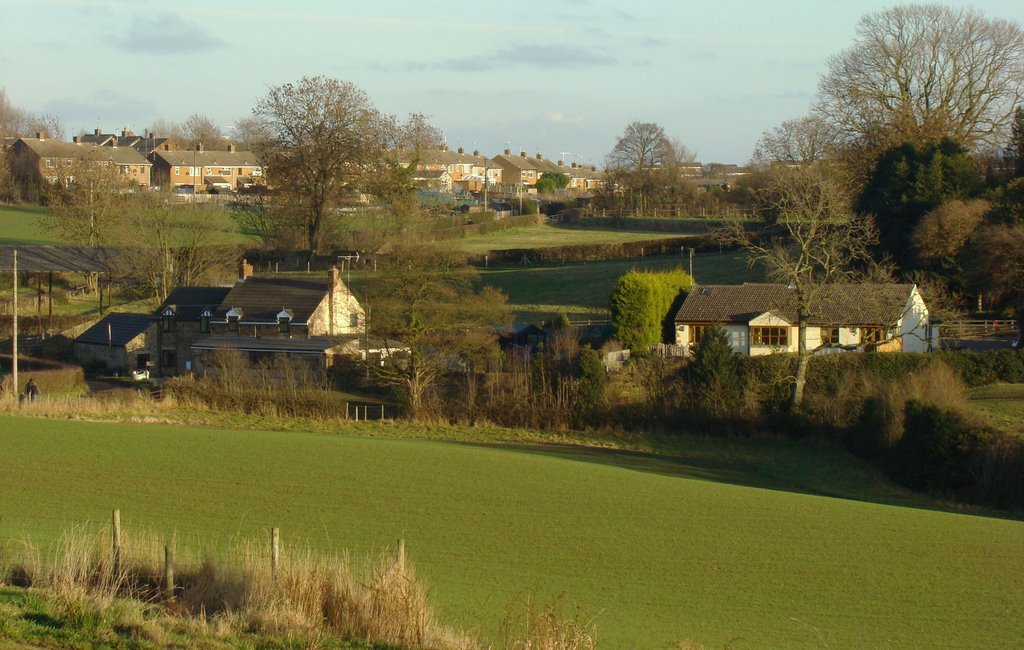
762,318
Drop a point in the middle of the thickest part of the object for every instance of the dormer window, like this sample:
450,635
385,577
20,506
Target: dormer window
204,321
284,321
233,316
168,320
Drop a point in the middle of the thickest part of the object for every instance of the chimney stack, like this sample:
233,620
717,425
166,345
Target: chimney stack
476,152
96,131
244,269
539,157
77,139
231,148
461,150
444,147
199,147
561,163
125,133
507,152
522,154
332,277
40,135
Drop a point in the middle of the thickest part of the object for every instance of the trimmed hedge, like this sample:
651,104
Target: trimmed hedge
641,303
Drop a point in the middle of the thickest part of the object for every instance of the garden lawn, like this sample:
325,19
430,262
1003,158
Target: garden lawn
655,557
21,226
546,236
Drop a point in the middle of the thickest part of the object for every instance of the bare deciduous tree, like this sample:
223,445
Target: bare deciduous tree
820,245
323,135
922,72
417,133
201,130
802,141
642,146
997,269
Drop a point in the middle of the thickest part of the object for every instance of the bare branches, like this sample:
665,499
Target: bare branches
922,72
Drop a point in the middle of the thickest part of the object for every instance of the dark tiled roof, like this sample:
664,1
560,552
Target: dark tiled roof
123,327
189,302
315,345
839,304
260,299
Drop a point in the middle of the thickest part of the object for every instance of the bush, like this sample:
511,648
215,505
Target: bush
999,468
878,428
713,378
51,377
936,448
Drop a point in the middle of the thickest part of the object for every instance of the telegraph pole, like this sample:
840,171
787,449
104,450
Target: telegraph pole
14,321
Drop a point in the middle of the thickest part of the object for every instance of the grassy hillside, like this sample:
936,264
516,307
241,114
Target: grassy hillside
583,289
20,226
709,548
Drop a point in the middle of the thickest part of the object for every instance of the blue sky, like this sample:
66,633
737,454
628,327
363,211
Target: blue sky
559,77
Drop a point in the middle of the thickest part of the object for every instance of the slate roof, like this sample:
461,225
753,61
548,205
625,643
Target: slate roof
315,345
124,327
189,302
260,299
840,304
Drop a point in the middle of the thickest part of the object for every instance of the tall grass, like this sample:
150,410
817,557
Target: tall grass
237,591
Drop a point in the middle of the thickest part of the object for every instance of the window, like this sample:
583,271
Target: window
177,171
50,163
168,321
770,336
225,171
204,324
284,324
697,333
872,334
232,323
353,320
168,358
830,336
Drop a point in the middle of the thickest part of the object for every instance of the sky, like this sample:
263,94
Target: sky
559,77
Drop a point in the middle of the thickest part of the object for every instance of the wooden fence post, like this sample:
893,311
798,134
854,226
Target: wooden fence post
275,551
116,543
400,562
169,572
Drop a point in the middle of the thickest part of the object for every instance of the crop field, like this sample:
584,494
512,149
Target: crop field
582,290
546,235
20,226
701,548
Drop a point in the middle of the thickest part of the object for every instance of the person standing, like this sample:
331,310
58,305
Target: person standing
31,390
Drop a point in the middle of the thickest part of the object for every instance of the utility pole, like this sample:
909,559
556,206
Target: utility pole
14,334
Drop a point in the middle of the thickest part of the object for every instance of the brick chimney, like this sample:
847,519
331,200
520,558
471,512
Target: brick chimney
231,148
40,135
507,152
522,154
461,150
539,156
96,131
332,287
574,164
244,269
125,133
332,277
561,163
444,147
199,147
77,139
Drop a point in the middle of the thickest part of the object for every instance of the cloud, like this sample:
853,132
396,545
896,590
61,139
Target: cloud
534,56
557,117
106,109
166,33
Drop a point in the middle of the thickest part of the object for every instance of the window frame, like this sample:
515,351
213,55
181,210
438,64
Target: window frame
769,336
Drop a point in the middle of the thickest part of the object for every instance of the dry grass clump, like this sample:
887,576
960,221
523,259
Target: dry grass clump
308,594
533,626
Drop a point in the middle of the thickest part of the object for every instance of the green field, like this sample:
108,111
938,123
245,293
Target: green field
715,547
546,236
21,226
1002,405
583,290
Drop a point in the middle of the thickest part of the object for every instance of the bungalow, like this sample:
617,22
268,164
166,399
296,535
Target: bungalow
762,318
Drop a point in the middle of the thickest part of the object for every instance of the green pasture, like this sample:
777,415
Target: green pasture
22,226
721,546
1002,405
546,236
583,289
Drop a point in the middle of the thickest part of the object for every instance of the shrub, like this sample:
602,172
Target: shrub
879,426
936,448
713,378
593,380
999,469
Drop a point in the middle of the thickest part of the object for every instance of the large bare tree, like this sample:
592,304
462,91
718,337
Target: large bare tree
642,146
817,244
997,269
324,133
922,72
